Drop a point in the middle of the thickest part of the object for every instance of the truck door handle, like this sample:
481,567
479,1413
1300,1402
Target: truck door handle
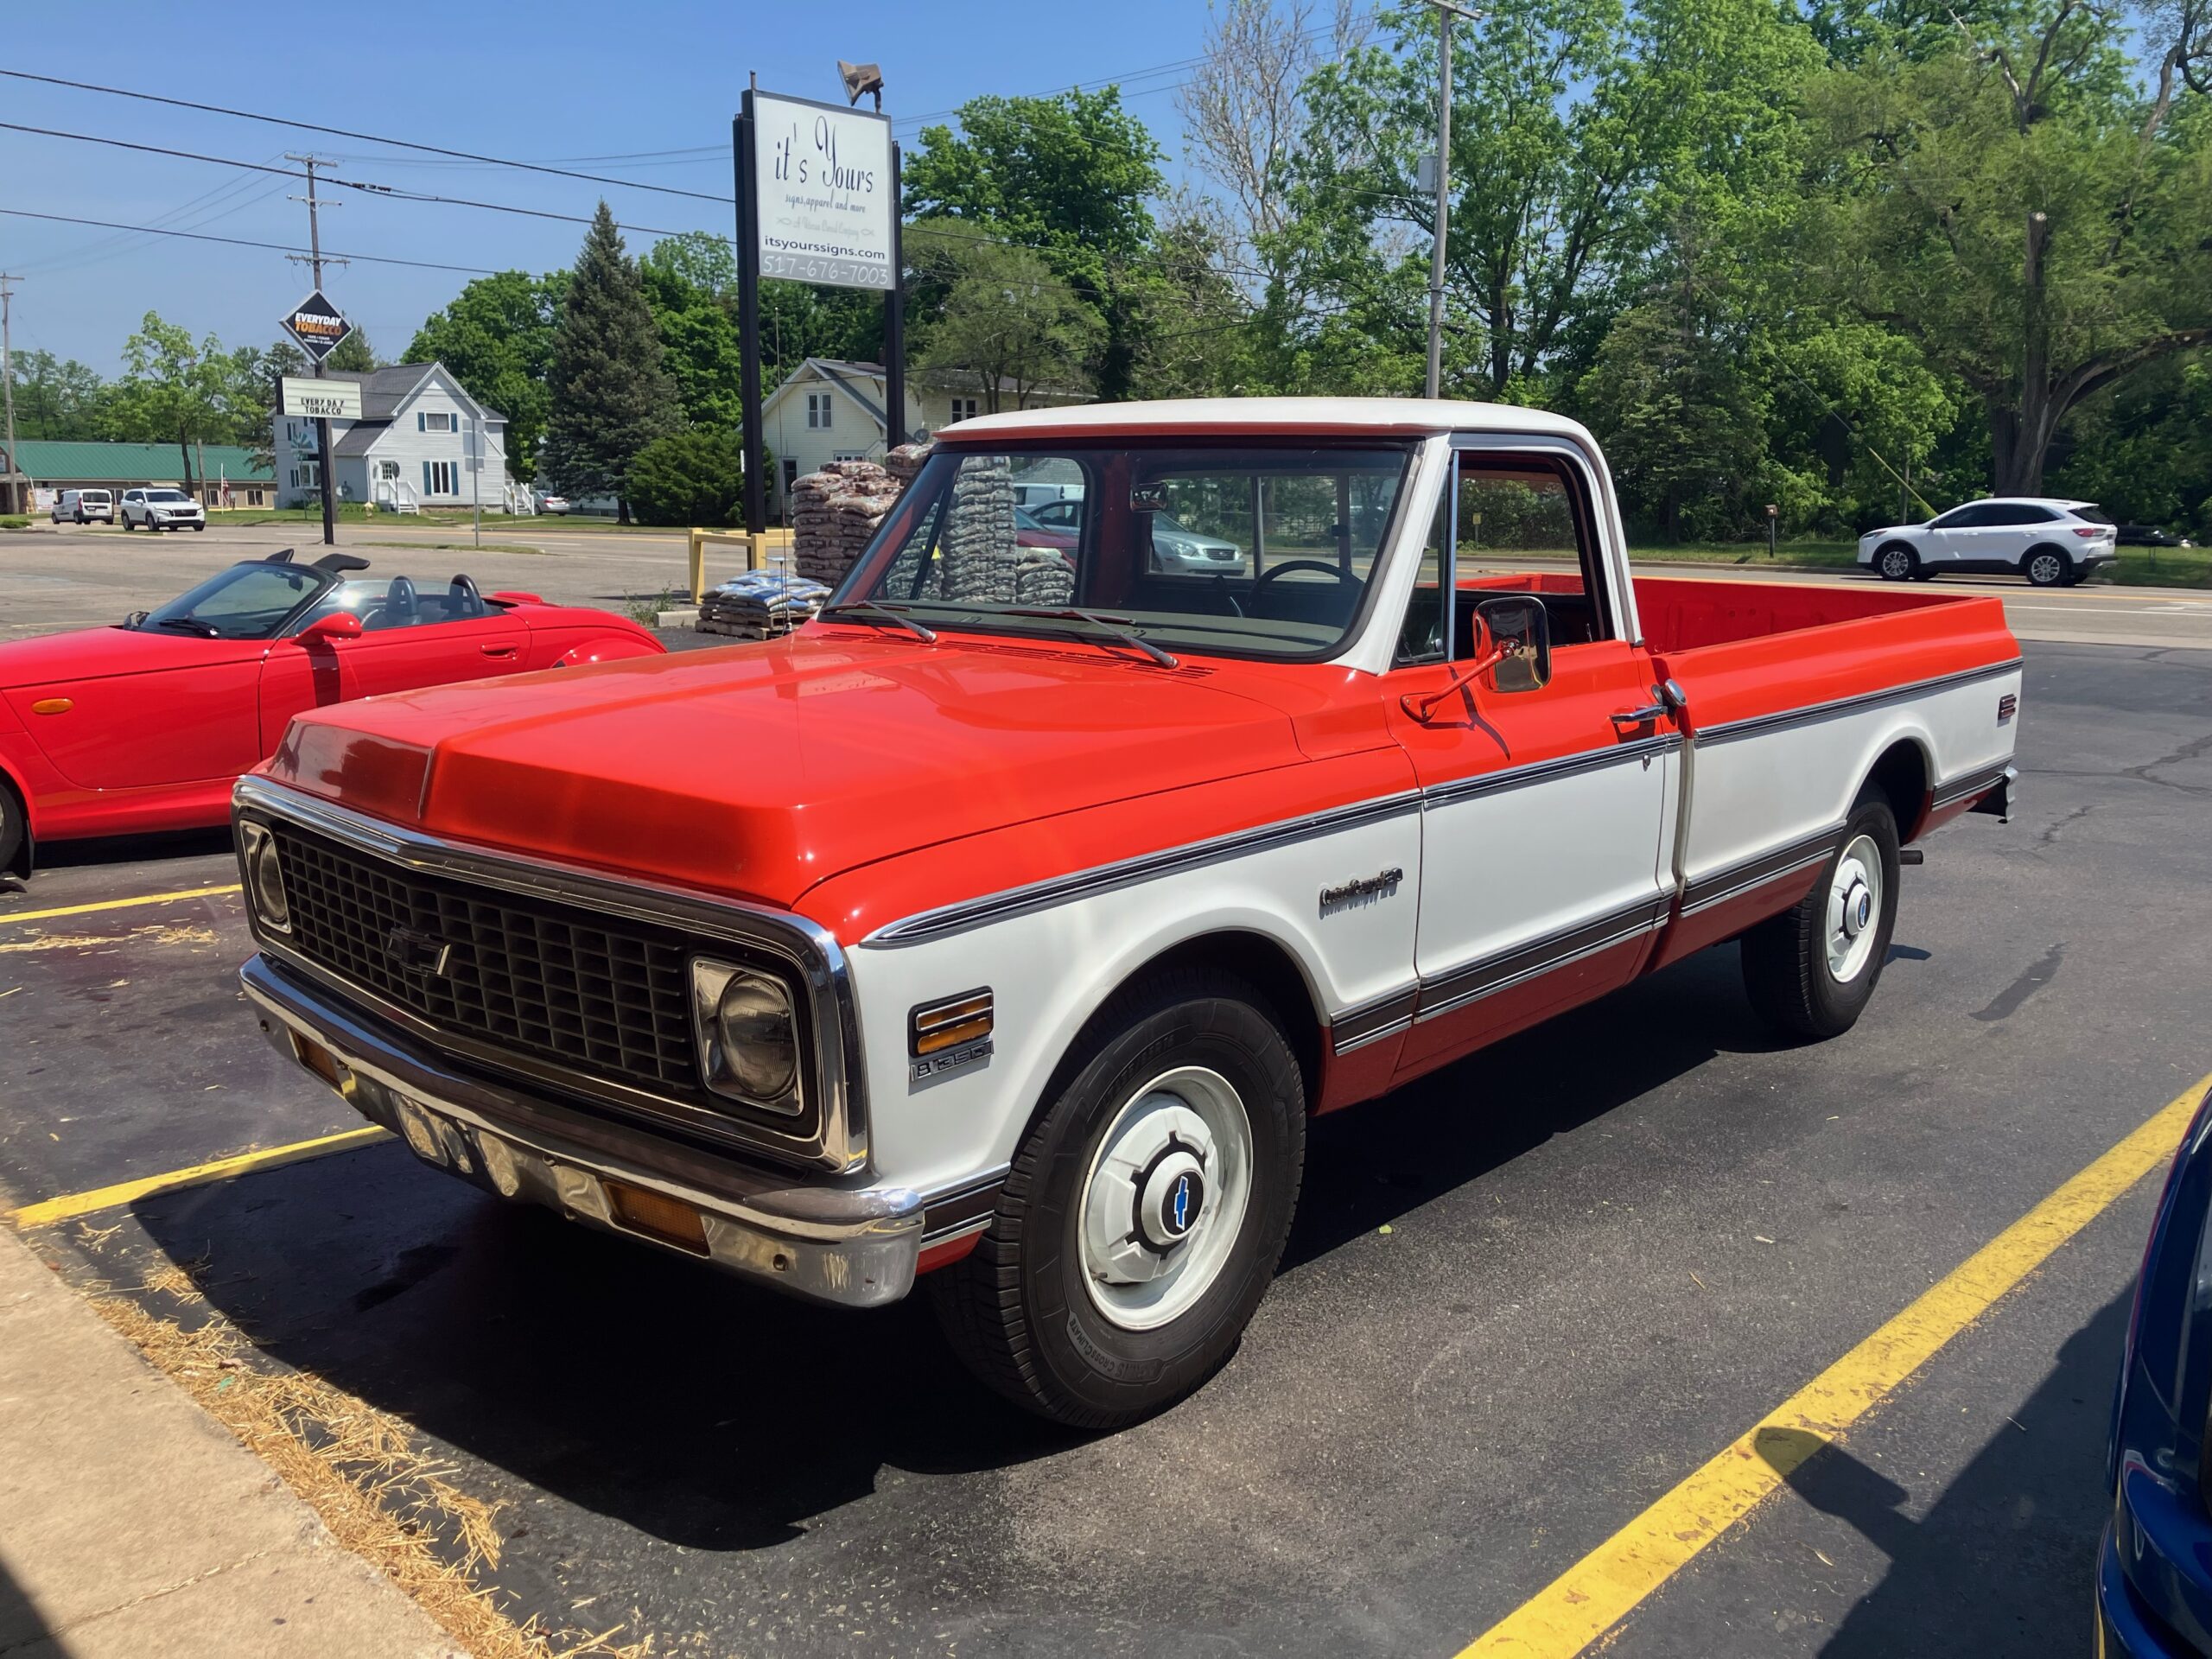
497,650
1643,717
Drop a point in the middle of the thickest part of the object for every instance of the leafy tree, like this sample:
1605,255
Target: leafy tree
55,399
2022,210
688,478
699,258
611,395
1071,177
700,342
497,337
170,389
355,354
1008,325
2143,449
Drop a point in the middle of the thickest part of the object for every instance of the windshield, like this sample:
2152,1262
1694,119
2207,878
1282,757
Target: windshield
1232,548
247,601
167,495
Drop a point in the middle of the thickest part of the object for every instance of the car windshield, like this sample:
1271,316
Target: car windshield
247,601
1233,549
166,496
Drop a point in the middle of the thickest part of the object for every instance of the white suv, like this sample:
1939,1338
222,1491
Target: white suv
162,510
2053,543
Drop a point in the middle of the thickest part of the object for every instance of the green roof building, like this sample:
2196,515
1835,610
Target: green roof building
50,465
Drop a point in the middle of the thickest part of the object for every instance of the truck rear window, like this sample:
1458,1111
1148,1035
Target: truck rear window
1233,549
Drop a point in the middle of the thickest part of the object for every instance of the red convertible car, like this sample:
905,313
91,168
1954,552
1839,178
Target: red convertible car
145,725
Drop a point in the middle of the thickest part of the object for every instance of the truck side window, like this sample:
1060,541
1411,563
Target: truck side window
1524,526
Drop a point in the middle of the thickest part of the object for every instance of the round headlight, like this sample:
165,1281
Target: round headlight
758,1036
269,900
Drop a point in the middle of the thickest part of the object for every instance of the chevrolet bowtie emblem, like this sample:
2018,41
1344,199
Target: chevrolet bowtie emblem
419,950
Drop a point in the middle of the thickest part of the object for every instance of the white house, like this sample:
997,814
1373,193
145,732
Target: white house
828,411
410,448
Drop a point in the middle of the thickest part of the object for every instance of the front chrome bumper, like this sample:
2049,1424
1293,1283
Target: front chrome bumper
853,1246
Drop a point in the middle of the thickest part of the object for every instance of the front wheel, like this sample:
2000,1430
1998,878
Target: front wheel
1145,1211
1897,563
2046,567
127,525
11,827
1811,970
198,527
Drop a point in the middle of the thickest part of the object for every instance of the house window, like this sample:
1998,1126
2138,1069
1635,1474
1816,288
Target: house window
849,454
963,408
307,475
441,478
439,422
817,411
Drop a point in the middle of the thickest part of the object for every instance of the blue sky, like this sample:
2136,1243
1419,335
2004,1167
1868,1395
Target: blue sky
541,82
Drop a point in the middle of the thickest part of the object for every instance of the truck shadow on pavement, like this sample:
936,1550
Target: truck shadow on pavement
2005,1556
1373,1163
712,1415
132,849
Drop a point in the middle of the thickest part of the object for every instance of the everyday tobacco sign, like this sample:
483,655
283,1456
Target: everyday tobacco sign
318,326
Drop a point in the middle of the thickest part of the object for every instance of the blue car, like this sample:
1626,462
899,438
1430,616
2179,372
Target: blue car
2154,1568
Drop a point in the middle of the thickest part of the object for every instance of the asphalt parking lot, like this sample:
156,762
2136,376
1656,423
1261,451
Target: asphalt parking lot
1524,1301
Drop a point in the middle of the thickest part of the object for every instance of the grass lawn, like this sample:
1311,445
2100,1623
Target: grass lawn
1790,556
458,547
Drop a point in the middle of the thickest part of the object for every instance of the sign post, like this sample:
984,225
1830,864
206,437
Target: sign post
818,201
320,328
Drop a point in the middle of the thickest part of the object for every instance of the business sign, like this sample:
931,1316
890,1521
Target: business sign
318,326
322,400
823,187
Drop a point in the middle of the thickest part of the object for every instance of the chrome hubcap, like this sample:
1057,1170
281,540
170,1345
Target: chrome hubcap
1855,901
1164,1198
1896,564
2044,569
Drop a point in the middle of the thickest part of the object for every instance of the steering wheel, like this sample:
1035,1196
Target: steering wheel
1335,570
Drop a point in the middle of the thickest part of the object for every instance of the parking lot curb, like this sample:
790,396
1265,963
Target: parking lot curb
131,1524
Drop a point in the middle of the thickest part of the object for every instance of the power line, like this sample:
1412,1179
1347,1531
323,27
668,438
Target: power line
241,242
341,132
391,191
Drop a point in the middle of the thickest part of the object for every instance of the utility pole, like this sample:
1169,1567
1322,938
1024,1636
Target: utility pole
322,423
1446,11
8,394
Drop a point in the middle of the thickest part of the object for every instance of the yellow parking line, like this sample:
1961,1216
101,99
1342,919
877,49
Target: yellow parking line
7,919
222,1169
1601,1589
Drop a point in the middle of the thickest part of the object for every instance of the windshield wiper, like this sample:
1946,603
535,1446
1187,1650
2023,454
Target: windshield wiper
867,610
1119,626
204,630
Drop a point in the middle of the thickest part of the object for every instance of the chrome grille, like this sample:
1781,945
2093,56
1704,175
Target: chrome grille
534,977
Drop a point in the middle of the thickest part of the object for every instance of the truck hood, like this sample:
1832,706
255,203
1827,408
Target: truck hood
762,770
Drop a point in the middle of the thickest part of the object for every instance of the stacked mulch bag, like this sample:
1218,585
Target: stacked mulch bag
760,604
983,559
834,514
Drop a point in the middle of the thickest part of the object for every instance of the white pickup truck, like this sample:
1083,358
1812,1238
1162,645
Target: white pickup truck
1005,925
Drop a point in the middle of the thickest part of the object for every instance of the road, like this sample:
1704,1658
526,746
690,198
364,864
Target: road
72,576
1523,1299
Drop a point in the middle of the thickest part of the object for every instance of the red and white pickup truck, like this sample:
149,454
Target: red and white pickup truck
1005,925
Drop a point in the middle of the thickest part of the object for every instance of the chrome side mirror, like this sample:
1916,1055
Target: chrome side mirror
1521,638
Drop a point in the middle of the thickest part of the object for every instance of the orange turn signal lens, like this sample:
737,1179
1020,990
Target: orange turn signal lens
52,706
938,1026
657,1215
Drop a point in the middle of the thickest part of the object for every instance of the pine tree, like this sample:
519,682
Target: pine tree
611,397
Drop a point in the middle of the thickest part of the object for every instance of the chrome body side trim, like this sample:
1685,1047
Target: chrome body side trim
972,913
1374,1019
1968,784
837,1140
1447,993
1546,771
1763,725
856,1246
1741,877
